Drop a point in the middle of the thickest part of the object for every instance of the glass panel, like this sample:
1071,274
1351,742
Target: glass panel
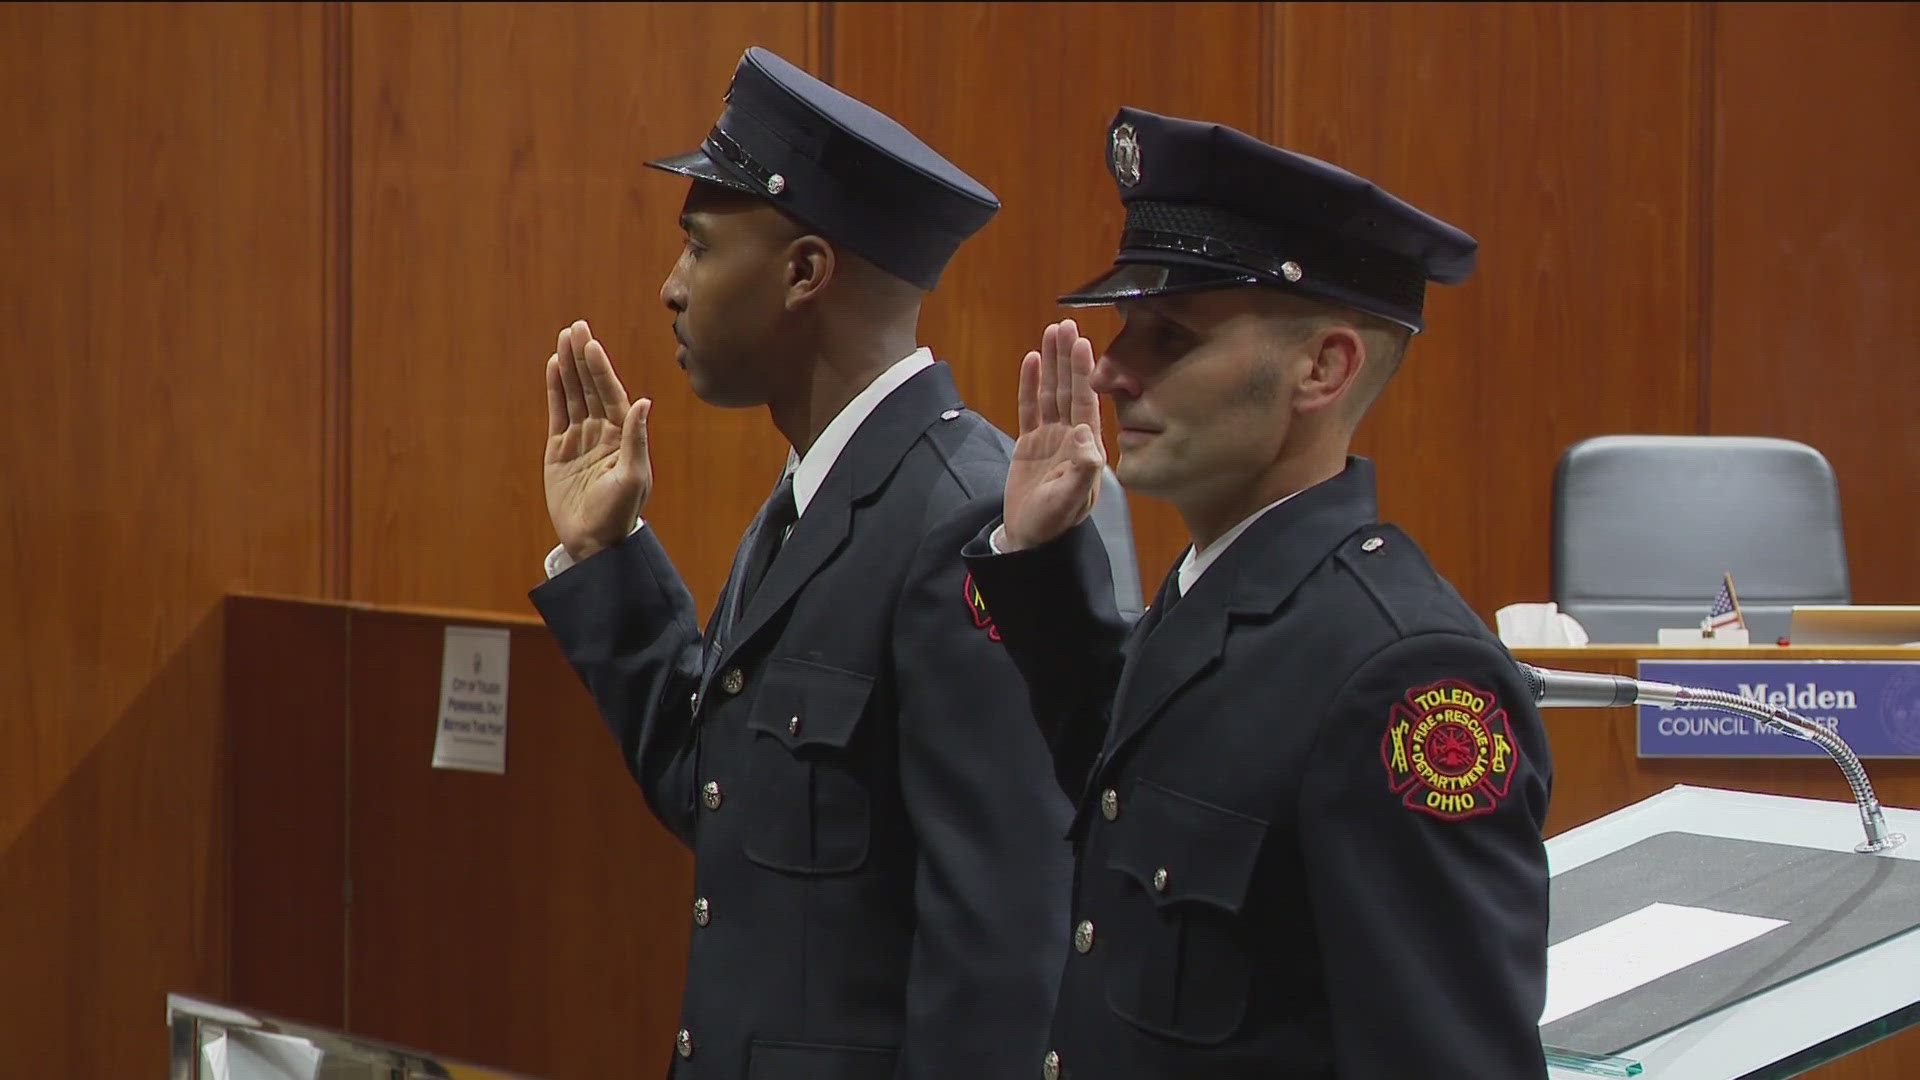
1840,1045
216,1042
1560,1062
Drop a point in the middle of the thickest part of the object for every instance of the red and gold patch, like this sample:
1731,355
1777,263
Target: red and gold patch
1449,750
977,604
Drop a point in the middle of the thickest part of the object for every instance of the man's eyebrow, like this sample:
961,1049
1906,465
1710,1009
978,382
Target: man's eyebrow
692,226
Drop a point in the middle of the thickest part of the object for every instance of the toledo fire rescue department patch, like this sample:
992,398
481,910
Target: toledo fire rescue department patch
1449,750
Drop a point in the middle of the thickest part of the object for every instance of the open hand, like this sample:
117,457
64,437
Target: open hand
1059,456
598,475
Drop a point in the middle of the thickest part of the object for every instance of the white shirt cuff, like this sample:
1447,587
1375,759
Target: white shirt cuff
559,562
996,540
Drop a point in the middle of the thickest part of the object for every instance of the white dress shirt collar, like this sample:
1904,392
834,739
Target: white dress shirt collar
811,469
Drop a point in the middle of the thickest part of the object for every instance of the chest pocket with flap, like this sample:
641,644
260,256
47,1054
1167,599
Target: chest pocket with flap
810,812
1174,951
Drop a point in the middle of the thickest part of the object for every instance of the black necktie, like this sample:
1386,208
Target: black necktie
770,530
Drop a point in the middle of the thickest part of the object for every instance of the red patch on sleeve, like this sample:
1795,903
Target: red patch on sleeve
1449,751
977,606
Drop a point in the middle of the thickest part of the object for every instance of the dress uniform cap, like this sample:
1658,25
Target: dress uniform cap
1209,207
839,166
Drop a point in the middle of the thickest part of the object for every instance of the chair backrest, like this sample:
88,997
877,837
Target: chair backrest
1110,516
1644,526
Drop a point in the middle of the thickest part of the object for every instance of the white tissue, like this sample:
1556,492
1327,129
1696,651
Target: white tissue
1537,626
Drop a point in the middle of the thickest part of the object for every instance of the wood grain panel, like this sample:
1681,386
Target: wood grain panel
1020,95
534,921
159,192
498,194
287,710
1565,138
1812,309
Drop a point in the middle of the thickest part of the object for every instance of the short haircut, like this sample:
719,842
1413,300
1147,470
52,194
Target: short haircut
1385,342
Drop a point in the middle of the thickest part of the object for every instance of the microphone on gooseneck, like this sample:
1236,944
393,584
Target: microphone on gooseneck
1582,689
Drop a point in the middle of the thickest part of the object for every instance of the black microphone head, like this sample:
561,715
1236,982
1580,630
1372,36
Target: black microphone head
1536,683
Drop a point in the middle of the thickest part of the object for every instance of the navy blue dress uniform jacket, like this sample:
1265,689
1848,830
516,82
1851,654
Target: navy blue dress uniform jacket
879,862
1310,801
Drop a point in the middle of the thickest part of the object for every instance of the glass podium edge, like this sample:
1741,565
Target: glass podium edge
1839,1046
1585,1064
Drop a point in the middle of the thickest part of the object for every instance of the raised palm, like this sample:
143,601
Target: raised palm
1058,457
598,474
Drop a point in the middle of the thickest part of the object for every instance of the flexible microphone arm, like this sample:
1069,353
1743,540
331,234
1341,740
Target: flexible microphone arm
1580,689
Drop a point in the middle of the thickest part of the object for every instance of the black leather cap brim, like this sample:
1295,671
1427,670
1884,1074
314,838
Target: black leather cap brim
698,166
1137,280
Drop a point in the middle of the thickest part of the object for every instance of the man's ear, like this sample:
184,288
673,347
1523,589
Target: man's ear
1336,354
811,264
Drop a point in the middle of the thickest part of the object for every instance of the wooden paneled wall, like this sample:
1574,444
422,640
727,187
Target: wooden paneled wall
1596,151
498,193
1812,288
1574,160
283,277
162,201
536,920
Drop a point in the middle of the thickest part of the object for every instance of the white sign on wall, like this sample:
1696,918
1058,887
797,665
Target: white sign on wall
473,701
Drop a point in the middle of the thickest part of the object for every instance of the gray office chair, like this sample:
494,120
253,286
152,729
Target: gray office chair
1644,525
1110,516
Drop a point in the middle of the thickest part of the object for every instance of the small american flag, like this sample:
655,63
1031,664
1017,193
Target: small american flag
1726,609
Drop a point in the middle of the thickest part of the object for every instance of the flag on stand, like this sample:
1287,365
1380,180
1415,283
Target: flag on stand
1726,609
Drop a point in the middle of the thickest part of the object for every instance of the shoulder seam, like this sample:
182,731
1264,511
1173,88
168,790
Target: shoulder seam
1374,594
967,489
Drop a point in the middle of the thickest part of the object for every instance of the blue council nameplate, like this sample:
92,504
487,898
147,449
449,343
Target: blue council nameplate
1873,704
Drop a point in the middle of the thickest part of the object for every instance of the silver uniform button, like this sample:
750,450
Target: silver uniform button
693,701
1050,1066
793,726
1290,271
1160,880
950,414
733,681
702,912
1371,543
683,1043
1110,804
1083,936
711,794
